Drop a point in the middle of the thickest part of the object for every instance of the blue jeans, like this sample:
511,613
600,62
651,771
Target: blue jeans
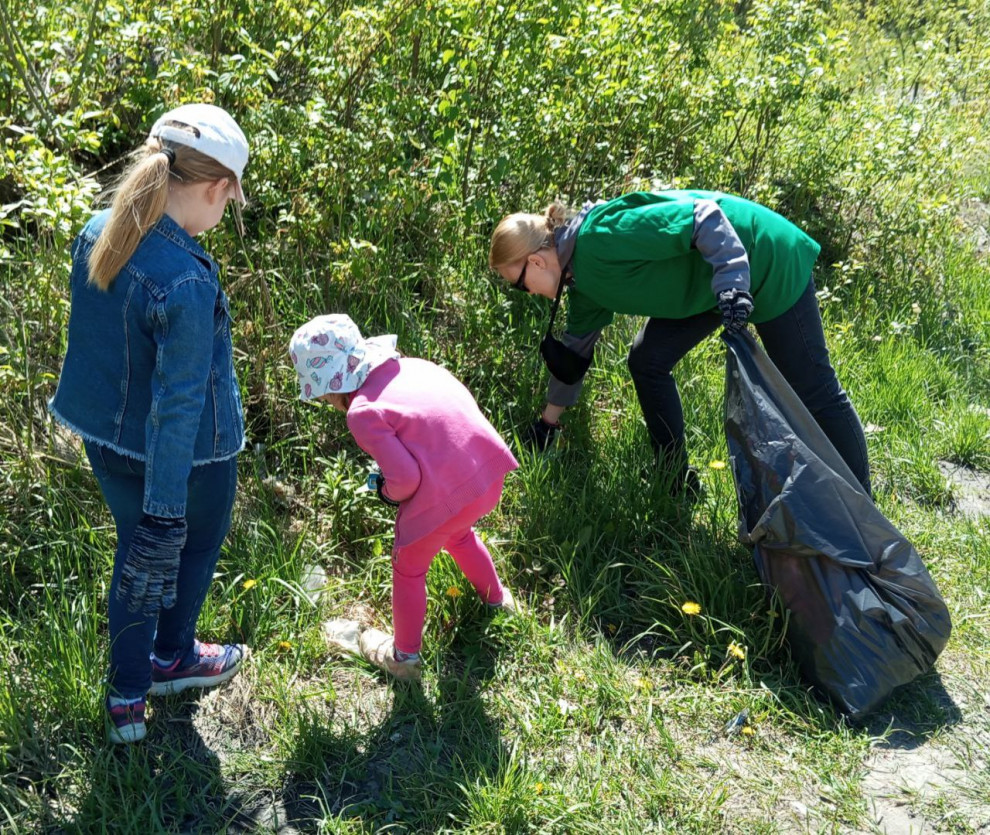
794,341
133,637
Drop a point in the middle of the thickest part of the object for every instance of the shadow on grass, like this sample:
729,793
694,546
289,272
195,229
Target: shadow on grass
169,782
914,713
675,552
414,766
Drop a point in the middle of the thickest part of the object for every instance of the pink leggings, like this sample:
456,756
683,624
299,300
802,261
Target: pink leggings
411,562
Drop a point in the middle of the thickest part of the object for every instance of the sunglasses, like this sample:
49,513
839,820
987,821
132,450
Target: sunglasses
520,283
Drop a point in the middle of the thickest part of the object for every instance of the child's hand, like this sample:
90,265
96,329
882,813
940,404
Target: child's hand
376,481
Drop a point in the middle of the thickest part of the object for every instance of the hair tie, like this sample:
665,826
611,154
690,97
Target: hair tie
169,155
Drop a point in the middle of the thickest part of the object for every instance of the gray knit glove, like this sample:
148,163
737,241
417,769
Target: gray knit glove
151,567
736,307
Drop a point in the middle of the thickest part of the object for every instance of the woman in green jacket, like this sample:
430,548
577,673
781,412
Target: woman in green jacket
689,261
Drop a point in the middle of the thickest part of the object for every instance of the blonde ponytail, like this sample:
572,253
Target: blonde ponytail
138,204
556,216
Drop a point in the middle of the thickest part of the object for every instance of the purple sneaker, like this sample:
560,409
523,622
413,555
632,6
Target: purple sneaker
213,664
126,722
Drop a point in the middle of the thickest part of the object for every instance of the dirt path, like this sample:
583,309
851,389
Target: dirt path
922,780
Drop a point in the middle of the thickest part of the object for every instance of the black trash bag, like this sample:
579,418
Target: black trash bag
865,616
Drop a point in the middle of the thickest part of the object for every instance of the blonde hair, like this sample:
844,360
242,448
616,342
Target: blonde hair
140,200
519,234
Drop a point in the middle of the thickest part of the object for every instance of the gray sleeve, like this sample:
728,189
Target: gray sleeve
561,394
720,246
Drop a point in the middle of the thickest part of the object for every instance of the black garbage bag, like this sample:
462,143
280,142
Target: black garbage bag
865,616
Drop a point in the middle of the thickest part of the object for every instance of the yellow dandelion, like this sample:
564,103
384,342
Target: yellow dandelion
284,646
247,585
538,788
737,651
453,591
716,465
691,608
748,730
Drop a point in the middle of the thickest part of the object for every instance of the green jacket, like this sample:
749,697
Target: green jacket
634,255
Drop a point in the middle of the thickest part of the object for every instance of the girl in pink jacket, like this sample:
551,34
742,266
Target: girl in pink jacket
442,464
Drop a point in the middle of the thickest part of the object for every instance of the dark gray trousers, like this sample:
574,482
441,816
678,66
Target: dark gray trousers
794,341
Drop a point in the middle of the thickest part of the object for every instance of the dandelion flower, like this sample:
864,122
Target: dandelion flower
247,585
284,646
737,651
716,465
691,608
748,730
538,788
453,591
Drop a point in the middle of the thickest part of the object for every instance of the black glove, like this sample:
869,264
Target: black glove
151,566
736,306
539,435
376,481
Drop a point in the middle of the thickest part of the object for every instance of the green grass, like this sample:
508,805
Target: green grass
599,710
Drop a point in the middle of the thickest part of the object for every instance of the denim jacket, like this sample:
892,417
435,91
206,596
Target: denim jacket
149,368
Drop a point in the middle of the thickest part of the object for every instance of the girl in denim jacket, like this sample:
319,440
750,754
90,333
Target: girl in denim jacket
148,383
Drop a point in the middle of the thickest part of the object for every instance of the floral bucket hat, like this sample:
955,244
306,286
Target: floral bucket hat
331,357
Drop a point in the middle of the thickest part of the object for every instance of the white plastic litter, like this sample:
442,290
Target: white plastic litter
314,581
343,633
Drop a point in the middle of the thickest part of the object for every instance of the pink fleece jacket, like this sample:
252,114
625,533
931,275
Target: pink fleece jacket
437,451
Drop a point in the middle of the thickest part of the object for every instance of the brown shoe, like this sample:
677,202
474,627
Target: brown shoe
379,649
507,603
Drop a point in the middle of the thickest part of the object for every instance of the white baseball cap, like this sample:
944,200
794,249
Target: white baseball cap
214,133
331,357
